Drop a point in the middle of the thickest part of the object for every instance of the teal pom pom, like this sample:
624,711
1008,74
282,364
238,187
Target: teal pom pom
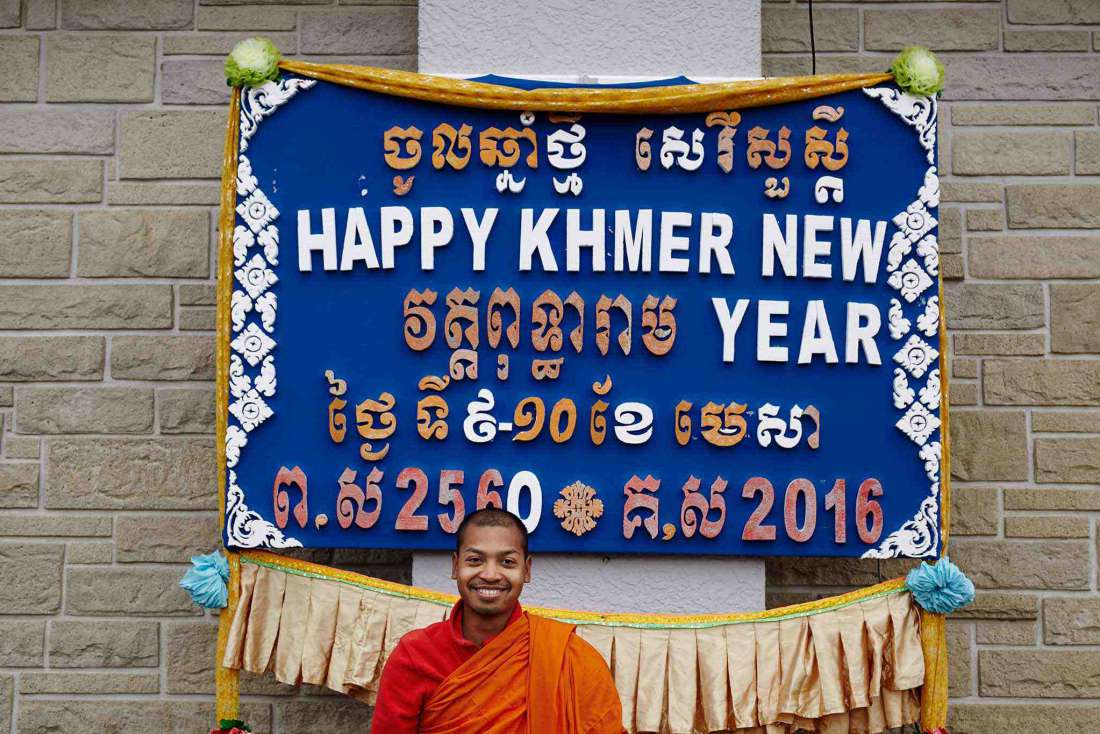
917,71
940,589
206,580
252,62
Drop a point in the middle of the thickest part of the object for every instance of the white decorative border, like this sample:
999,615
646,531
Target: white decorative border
251,365
912,274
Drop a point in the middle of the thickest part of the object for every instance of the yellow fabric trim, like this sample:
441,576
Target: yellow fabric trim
579,617
646,100
226,680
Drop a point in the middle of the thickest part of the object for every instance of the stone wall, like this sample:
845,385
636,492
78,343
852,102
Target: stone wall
110,139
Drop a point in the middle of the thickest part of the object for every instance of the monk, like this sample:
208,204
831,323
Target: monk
492,668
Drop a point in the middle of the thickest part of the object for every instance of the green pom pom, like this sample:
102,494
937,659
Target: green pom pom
918,71
252,62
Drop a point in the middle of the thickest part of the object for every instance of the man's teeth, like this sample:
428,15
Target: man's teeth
489,592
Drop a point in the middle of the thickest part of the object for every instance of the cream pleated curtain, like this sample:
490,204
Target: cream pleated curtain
853,664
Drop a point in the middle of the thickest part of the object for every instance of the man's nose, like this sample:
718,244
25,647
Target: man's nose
490,572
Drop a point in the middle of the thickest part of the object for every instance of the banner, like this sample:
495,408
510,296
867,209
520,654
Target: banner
706,333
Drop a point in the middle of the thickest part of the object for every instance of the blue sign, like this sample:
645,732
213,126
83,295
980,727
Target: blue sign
691,334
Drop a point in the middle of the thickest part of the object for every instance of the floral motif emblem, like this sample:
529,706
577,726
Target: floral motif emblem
257,211
256,277
917,423
910,281
253,344
578,509
250,409
916,356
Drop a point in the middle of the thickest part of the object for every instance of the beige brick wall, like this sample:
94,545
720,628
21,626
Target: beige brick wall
111,118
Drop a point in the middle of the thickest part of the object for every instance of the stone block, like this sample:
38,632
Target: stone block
186,410
1075,318
22,447
974,511
1000,605
964,393
786,29
988,718
89,553
1046,41
1005,632
970,192
50,181
104,644
1034,256
1087,151
995,306
18,485
1004,77
9,14
168,243
30,578
950,234
162,357
964,368
148,15
989,445
198,319
172,144
1063,12
1046,526
19,82
377,30
1010,153
1048,498
48,358
100,68
123,193
1022,564
91,590
164,538
35,243
254,19
959,647
1067,206
835,572
1071,621
193,81
1087,421
7,695
41,15
1022,114
940,29
53,716
88,683
1039,674
85,307
1067,460
952,267
1000,344
130,473
7,396
84,410
1041,382
220,44
985,220
22,643
54,525
303,715
197,294
52,130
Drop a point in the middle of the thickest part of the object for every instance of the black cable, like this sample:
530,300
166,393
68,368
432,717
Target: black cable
813,44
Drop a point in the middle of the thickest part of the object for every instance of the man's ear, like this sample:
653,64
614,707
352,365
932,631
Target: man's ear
454,565
527,569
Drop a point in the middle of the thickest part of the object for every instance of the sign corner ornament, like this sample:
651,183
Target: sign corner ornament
674,333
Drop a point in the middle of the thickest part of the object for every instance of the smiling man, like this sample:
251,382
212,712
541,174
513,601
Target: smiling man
492,668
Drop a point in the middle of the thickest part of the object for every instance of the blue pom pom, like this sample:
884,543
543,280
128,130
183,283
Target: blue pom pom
940,589
206,580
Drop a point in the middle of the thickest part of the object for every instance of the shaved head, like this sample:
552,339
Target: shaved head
491,517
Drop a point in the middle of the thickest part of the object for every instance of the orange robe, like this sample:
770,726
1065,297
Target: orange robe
535,677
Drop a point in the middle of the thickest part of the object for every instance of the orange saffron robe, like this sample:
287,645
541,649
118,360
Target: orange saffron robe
535,677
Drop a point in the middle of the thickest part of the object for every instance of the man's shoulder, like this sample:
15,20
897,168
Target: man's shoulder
424,637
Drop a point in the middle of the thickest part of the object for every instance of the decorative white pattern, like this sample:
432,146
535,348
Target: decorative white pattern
919,536
252,366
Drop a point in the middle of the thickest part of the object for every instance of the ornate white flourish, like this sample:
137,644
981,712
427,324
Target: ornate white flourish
918,402
259,102
252,364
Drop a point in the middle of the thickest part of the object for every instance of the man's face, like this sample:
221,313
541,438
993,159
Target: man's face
491,569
